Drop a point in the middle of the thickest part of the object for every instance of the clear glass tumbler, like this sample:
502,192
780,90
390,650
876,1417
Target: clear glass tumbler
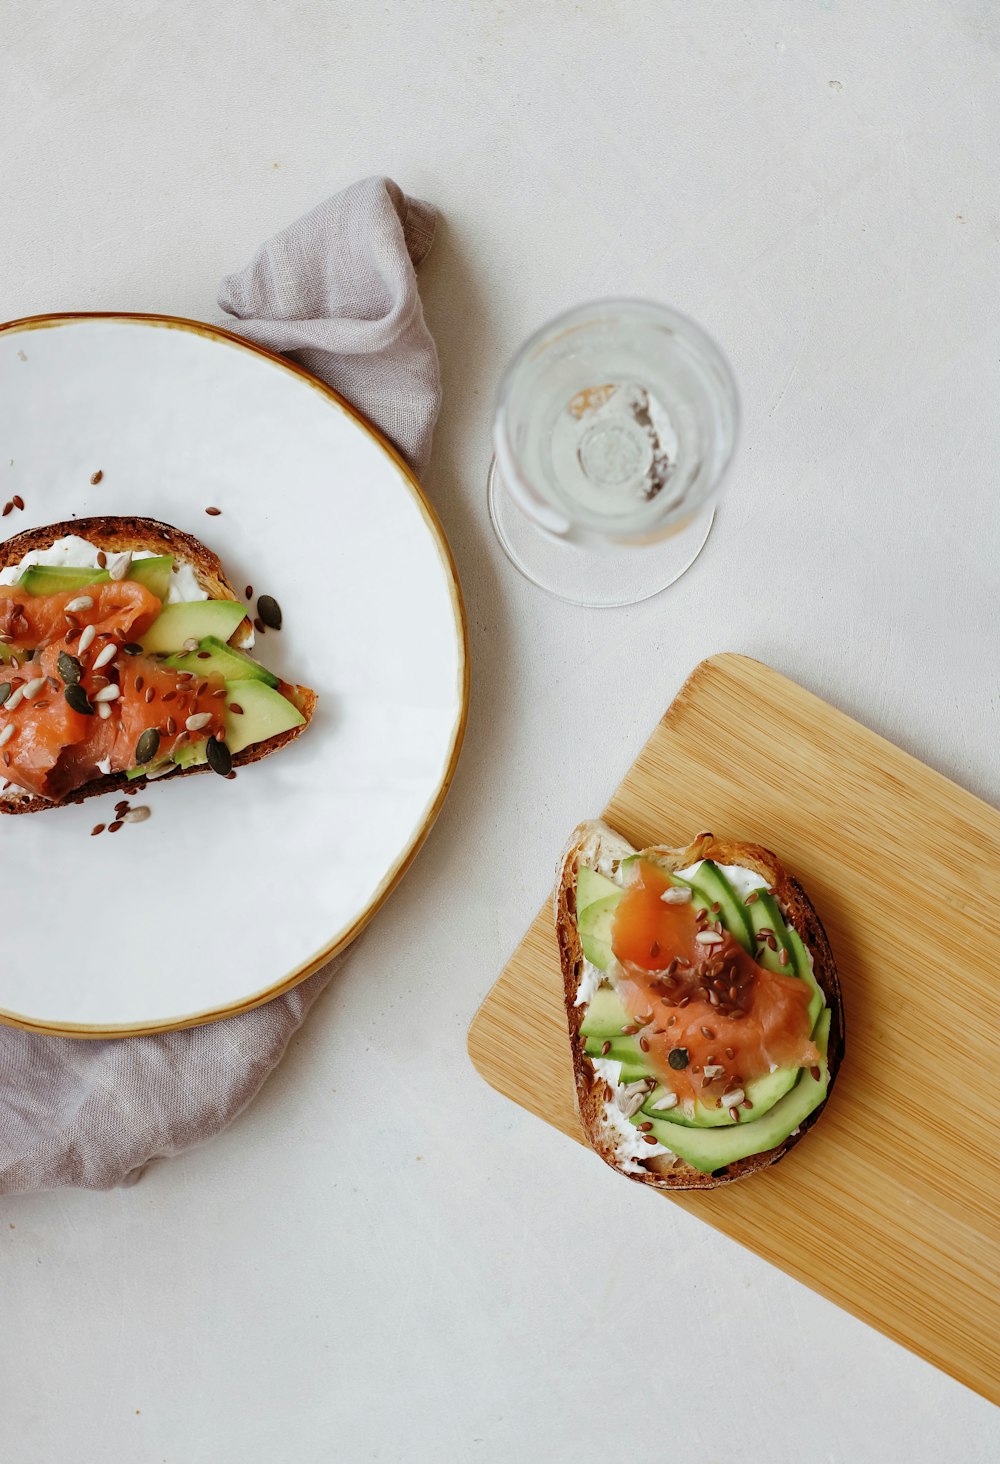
615,425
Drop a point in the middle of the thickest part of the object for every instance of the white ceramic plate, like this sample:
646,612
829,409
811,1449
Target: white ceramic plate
231,891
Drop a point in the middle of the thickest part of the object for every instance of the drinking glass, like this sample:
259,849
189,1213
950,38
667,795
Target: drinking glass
614,427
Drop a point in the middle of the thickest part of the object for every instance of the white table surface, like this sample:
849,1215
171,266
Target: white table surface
383,1260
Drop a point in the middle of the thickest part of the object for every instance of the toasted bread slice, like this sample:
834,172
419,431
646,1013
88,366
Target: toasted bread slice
115,534
597,845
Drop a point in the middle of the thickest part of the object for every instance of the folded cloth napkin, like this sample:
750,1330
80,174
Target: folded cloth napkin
337,291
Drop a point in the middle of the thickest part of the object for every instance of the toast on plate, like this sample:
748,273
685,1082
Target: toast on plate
124,658
703,1003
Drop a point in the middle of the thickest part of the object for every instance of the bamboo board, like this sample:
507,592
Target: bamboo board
891,1206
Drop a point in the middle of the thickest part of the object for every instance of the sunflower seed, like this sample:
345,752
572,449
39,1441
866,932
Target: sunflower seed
79,602
87,636
708,938
120,565
103,710
103,657
676,895
32,688
139,814
669,1100
107,694
15,699
7,734
199,720
192,643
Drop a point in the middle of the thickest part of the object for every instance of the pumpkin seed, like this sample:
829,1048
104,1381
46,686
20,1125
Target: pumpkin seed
147,747
4,691
69,668
78,699
269,611
678,1057
220,759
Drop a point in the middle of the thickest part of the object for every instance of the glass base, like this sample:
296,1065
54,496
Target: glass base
621,574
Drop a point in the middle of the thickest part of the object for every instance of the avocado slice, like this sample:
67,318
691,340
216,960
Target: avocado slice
55,579
606,1015
711,887
764,912
591,887
214,657
624,1050
708,1149
265,713
595,926
764,1092
803,967
192,620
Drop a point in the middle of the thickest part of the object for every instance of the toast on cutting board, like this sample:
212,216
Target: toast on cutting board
701,978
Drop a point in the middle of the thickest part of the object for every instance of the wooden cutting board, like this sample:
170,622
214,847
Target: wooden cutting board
891,1206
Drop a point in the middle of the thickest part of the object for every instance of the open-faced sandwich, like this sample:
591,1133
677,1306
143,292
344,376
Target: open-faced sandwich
703,1003
123,657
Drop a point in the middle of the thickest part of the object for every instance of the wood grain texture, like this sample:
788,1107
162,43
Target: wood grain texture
890,1206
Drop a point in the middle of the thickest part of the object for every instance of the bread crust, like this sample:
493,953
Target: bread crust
115,534
594,840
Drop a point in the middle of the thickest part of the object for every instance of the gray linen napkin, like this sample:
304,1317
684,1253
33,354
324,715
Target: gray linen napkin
337,291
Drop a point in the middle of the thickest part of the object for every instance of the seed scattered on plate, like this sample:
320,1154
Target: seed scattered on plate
269,611
17,501
8,508
95,478
115,826
97,829
213,512
249,592
139,814
258,625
